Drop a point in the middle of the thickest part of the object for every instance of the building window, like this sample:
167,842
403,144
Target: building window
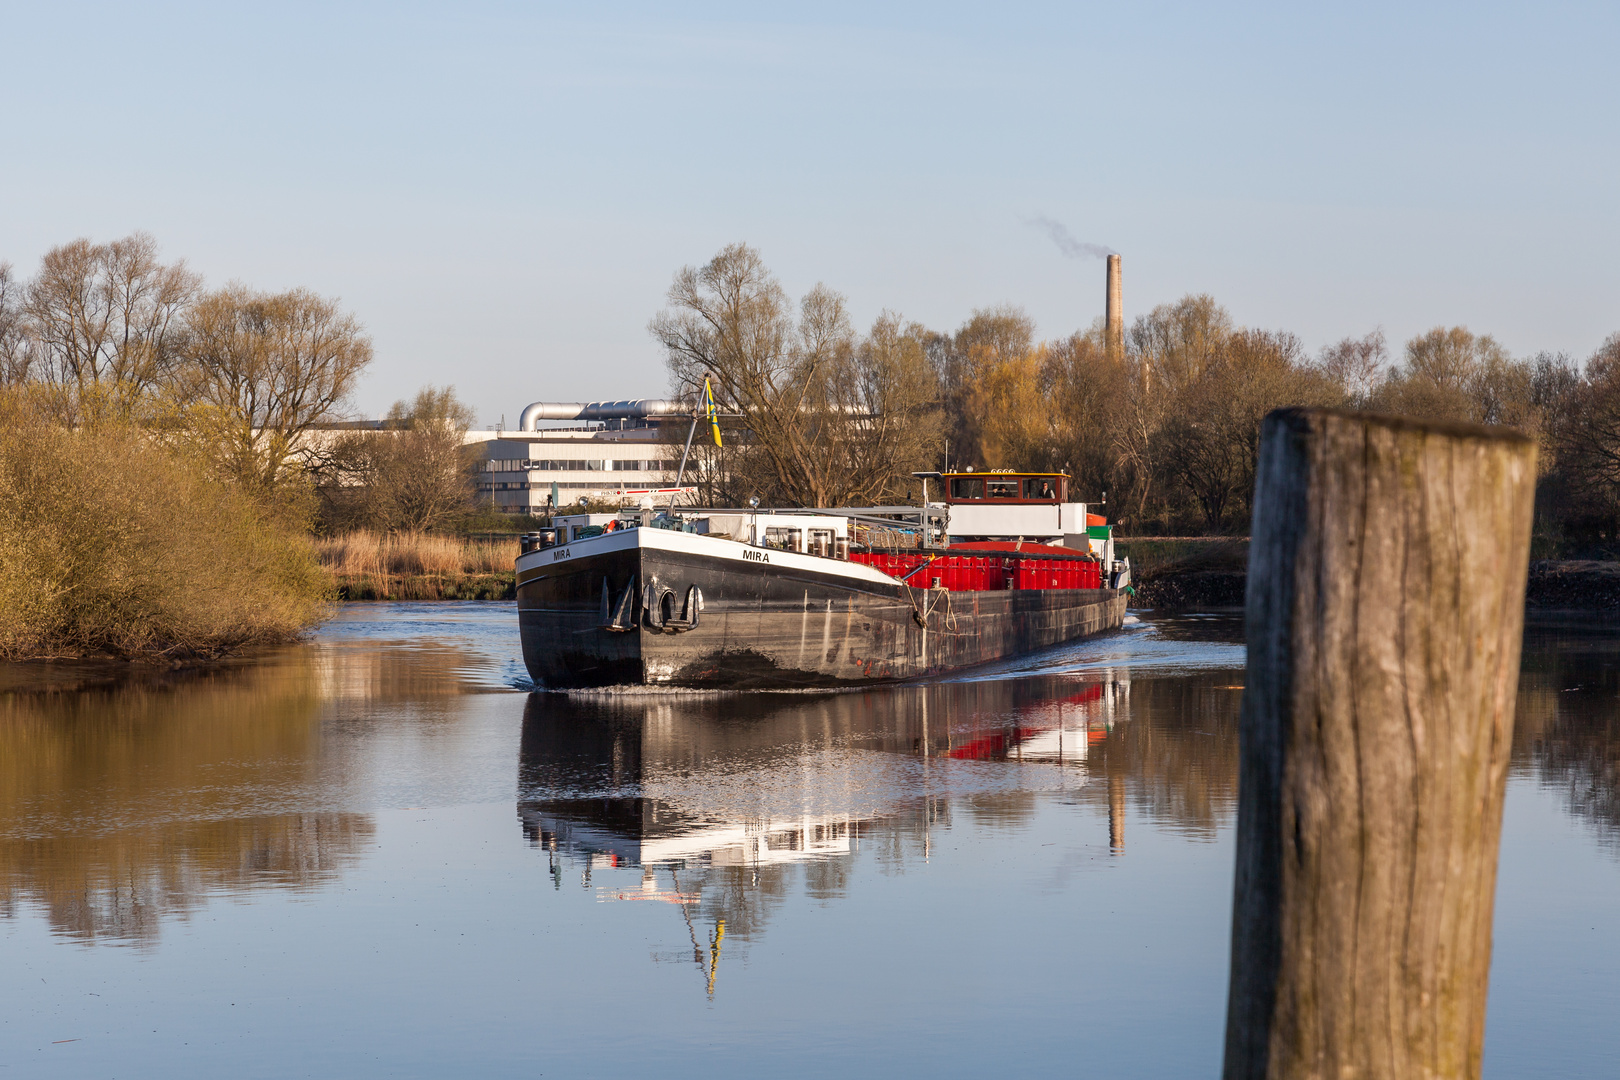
500,465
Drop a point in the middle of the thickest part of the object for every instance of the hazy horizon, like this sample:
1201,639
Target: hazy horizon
501,193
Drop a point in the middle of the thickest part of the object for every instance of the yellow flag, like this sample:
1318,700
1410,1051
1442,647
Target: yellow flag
713,410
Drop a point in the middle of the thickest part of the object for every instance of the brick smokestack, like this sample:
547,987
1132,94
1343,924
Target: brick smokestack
1115,322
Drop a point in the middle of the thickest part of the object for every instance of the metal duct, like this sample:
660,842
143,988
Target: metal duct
634,409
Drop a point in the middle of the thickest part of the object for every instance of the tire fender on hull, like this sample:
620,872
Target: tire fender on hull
658,608
652,604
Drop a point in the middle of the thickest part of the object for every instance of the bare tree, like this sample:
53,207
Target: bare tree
1452,374
1085,384
1018,420
991,337
822,414
1212,433
1167,351
415,473
1173,343
1449,357
423,475
893,390
1135,442
16,353
1356,364
104,322
267,368
1588,438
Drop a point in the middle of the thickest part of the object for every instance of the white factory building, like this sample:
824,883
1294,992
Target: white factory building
600,450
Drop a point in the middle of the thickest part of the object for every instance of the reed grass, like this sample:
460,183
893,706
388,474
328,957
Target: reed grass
369,565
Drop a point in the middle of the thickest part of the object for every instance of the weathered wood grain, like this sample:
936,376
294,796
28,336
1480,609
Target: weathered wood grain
1385,607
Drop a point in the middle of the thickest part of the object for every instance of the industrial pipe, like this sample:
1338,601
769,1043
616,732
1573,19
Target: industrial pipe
635,409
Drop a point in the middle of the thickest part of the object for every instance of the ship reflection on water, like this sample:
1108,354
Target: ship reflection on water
725,805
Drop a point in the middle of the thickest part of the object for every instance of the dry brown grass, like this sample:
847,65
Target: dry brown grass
417,566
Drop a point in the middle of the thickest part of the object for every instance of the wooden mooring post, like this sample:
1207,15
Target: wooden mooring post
1384,614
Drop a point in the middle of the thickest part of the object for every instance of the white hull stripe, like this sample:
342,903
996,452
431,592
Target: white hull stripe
700,545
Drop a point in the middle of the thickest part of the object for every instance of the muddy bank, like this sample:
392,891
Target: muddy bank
1553,585
1573,585
1185,590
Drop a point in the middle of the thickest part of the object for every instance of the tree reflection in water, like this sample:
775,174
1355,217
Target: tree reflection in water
125,803
128,798
1567,729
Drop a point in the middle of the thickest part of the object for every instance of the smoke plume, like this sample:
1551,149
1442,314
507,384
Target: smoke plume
1071,248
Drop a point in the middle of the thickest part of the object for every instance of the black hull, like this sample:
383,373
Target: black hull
791,622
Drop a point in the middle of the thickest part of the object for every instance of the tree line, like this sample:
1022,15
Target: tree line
1164,425
248,381
166,449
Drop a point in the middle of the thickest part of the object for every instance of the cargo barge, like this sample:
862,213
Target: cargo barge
761,599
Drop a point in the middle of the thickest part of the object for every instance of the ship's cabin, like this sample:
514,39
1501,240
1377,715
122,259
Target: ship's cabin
1006,488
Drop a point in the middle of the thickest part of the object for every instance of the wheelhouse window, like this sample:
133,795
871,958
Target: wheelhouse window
1040,487
967,487
1003,489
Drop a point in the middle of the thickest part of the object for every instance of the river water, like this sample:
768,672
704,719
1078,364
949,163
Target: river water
378,854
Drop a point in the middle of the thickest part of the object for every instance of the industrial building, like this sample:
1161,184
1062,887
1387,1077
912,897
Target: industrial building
613,451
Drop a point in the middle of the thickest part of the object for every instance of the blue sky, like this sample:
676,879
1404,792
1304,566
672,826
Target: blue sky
502,192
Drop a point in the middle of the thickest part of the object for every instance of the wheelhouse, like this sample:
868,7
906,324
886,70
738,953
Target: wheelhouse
1006,488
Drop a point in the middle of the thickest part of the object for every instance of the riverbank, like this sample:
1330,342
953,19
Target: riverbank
1573,585
1171,573
1553,585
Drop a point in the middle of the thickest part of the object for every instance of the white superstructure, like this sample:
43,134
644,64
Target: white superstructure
599,463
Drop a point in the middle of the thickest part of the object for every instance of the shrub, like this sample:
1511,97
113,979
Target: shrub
113,543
